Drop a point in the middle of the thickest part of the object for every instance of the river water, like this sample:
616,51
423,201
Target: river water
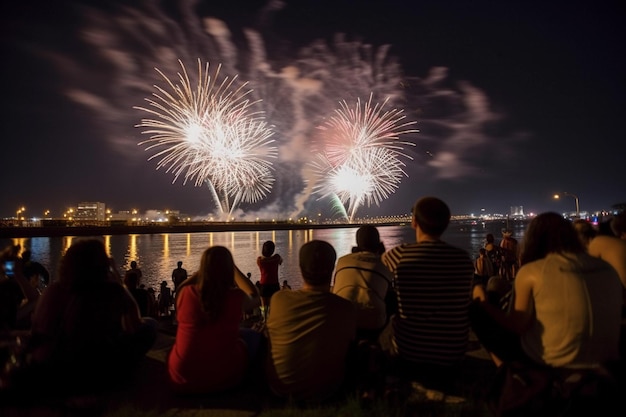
157,254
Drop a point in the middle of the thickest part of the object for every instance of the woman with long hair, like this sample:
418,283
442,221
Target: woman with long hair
211,351
566,306
87,326
564,321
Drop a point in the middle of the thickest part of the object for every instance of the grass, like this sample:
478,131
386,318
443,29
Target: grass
351,407
417,402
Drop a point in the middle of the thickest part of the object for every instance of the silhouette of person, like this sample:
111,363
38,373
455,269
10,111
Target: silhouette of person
32,267
268,264
179,274
87,326
133,269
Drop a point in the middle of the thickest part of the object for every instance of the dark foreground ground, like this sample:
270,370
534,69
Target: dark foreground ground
149,395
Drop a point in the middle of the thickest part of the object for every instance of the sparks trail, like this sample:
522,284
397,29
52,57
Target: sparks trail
210,133
360,161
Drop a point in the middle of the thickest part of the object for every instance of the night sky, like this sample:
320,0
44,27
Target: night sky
514,101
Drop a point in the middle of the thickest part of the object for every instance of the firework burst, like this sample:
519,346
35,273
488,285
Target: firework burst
360,162
209,132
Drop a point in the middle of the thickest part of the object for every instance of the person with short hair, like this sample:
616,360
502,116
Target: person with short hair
433,282
362,278
484,266
310,331
140,295
179,274
133,269
510,255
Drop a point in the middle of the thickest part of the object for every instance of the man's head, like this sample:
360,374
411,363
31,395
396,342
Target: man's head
317,262
368,239
432,215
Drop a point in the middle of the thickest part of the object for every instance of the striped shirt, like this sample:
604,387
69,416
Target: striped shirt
433,283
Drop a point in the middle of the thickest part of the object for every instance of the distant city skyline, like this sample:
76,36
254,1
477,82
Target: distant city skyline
26,213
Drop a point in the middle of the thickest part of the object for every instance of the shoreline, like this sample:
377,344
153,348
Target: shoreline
56,231
10,232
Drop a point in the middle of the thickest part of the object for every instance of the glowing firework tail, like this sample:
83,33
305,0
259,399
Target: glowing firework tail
360,162
209,133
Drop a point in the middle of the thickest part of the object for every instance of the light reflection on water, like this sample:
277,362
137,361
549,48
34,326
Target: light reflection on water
157,254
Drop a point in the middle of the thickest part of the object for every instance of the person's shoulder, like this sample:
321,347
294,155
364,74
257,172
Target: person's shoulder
286,298
347,259
342,306
338,301
403,247
456,250
593,262
607,241
186,290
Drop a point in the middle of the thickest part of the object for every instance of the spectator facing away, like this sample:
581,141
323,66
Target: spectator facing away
211,353
310,331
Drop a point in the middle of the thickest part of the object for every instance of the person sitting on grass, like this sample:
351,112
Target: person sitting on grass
212,352
310,331
87,327
361,278
565,316
429,335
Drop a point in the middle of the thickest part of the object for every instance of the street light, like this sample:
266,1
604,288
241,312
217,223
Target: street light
557,196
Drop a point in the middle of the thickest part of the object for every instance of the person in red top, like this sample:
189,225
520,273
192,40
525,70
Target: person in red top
212,352
268,264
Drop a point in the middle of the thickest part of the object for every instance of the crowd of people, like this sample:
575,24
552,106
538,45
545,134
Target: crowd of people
556,301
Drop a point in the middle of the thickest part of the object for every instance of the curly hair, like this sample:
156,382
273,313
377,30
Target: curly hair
549,233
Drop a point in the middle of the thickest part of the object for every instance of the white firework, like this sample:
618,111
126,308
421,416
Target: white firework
210,133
